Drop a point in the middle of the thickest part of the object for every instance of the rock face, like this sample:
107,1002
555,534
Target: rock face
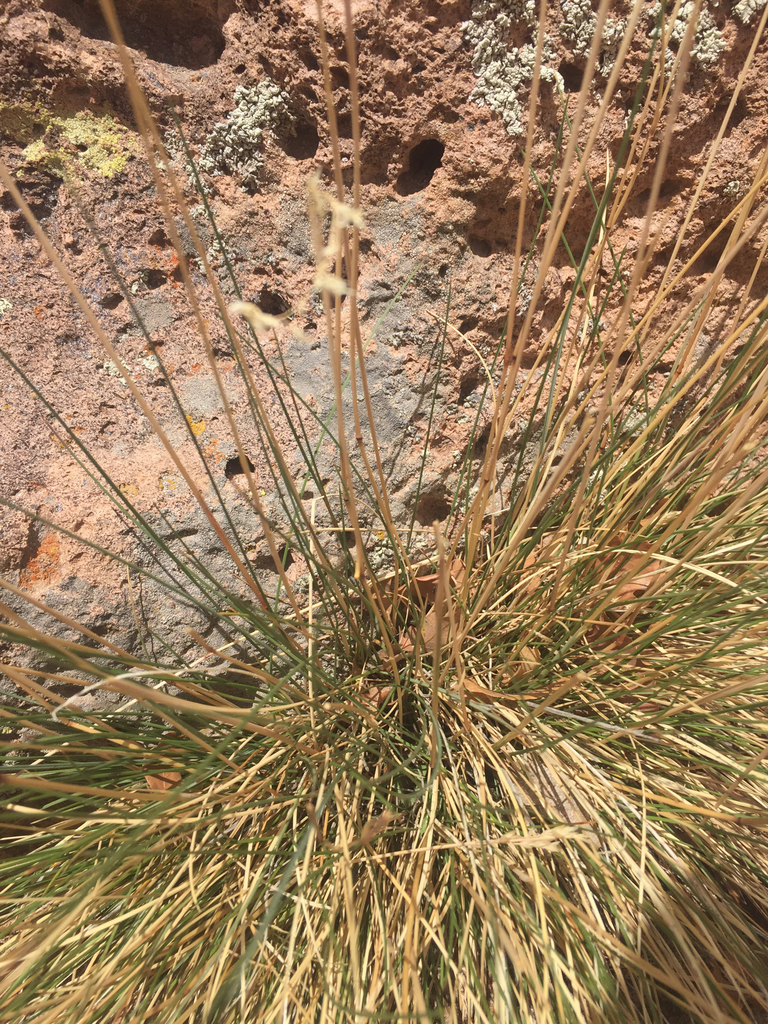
444,101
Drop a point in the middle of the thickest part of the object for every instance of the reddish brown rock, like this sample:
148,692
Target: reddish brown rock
441,188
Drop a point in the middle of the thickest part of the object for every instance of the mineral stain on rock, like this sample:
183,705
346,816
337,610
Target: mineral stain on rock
39,560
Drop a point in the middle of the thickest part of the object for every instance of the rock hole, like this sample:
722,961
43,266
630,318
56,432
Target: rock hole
480,246
41,193
265,562
572,77
418,67
344,125
670,187
286,556
233,468
272,302
185,35
309,60
707,262
528,357
111,300
304,144
481,442
31,548
468,386
159,237
423,161
739,112
469,323
154,278
339,78
19,225
433,505
443,270
344,275
239,69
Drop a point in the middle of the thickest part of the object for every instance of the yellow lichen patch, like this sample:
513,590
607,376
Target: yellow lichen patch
129,490
166,483
197,427
68,143
108,145
35,152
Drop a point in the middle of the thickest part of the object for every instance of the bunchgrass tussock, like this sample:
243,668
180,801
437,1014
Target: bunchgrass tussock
512,771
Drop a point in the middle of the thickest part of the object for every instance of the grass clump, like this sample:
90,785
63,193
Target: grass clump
516,775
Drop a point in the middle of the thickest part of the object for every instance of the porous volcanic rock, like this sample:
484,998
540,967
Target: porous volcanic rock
441,187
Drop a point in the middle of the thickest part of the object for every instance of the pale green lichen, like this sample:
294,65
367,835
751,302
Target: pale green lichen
67,143
503,72
746,10
149,362
111,368
5,307
708,42
217,255
236,146
578,29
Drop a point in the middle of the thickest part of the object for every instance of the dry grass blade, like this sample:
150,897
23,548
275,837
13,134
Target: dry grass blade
516,774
